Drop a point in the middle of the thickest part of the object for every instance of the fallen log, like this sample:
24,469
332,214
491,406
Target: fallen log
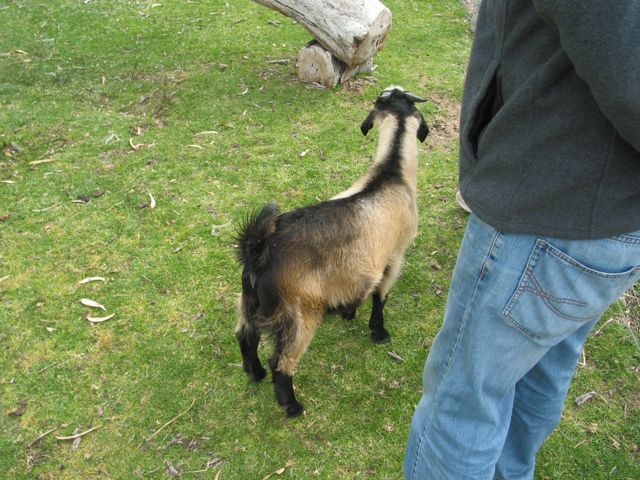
348,34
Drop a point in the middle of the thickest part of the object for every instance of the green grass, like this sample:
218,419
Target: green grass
80,82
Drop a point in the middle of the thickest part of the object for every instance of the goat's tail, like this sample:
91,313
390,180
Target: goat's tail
252,246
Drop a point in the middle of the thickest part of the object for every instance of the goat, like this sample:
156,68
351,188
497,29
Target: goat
329,257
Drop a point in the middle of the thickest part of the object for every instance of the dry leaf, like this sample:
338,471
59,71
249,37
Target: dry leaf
280,471
435,265
19,410
91,279
76,441
171,470
99,319
303,153
584,398
91,303
152,201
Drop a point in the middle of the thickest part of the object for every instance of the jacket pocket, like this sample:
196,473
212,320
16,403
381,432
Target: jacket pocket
557,294
487,104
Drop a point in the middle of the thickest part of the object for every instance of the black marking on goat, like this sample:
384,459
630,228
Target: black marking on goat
249,339
312,227
248,335
283,383
347,312
388,171
251,237
376,322
268,297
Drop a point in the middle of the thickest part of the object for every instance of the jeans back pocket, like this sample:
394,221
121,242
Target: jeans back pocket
557,294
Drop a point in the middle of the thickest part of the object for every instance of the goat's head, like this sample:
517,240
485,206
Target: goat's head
396,101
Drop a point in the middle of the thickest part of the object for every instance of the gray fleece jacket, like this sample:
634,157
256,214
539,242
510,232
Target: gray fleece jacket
550,123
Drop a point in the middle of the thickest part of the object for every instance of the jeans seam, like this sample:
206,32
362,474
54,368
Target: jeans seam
567,259
481,277
627,239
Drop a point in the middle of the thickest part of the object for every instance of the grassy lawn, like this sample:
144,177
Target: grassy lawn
111,107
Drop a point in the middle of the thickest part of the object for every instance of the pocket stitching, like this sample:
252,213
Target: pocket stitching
546,297
529,283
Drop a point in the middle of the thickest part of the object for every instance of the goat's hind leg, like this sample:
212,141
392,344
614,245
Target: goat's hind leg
249,337
292,339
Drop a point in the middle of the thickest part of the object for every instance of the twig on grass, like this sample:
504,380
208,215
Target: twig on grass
78,435
395,356
44,160
599,331
41,436
46,208
169,422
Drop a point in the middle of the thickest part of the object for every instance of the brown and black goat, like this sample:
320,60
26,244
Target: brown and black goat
330,257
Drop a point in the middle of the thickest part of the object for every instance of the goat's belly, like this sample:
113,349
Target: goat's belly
340,291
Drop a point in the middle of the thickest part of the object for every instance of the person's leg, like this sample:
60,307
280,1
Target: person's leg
475,361
512,298
537,407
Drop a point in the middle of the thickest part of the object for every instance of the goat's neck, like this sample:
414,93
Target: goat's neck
399,134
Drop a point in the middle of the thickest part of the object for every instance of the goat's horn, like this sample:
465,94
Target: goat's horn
415,98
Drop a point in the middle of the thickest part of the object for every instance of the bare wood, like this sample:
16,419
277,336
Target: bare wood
317,64
353,30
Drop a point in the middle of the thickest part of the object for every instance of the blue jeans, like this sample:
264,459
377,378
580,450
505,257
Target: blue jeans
519,310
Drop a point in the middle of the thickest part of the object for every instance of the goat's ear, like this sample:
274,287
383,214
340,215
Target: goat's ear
368,123
423,130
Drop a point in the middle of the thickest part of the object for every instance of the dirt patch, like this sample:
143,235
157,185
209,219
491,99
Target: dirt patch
472,8
444,125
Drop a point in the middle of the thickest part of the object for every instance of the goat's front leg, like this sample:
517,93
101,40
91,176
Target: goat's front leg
291,342
379,299
376,322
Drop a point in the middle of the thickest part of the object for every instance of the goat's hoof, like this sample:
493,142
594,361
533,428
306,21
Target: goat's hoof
256,373
348,315
381,337
294,409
